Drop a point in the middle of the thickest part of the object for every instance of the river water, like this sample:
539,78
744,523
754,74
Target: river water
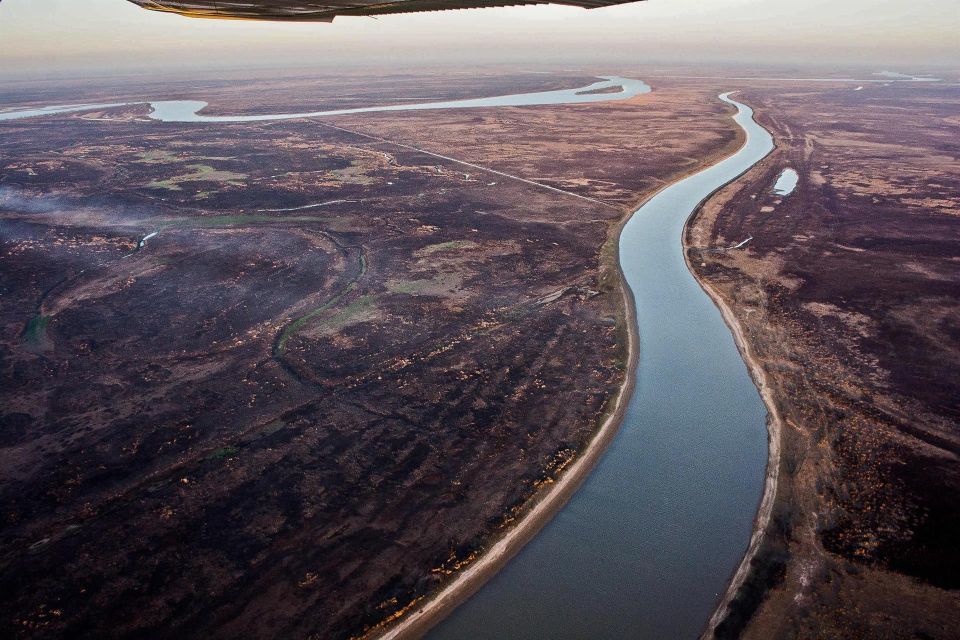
787,182
646,546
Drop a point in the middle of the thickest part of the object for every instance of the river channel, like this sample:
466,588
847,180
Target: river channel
647,545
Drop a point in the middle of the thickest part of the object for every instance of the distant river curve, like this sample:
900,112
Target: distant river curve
647,545
189,110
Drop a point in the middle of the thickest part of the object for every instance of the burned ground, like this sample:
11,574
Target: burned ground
283,379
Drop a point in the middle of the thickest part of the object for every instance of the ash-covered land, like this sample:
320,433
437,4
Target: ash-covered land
285,379
848,290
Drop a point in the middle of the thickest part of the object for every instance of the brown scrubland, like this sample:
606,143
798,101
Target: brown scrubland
848,295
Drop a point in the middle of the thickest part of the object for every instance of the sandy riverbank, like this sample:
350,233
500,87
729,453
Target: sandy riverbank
418,621
774,430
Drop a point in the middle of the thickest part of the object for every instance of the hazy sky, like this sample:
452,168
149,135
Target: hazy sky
37,36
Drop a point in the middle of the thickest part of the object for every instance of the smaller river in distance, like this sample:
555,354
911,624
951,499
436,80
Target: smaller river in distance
646,546
189,110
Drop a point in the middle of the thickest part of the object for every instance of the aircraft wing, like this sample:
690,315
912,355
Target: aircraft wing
327,10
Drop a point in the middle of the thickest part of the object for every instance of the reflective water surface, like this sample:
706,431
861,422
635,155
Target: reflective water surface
786,183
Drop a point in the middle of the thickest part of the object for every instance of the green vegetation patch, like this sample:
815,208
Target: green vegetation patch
440,285
162,156
200,173
156,156
224,452
299,323
445,246
412,287
339,319
363,308
36,330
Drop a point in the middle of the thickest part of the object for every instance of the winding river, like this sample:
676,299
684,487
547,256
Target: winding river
647,545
